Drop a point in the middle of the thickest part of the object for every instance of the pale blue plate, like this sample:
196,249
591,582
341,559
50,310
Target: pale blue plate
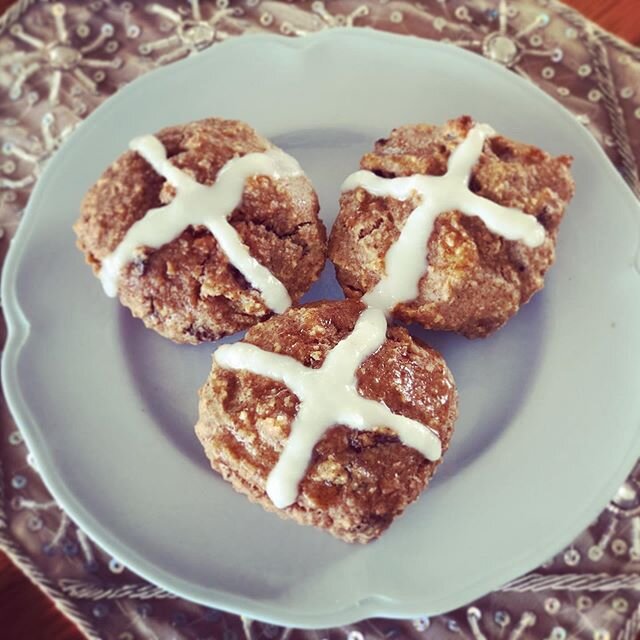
549,406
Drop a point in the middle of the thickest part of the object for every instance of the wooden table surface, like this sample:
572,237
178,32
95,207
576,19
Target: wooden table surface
25,612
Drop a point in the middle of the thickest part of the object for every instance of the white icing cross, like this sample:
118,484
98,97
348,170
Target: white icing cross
406,260
328,396
206,205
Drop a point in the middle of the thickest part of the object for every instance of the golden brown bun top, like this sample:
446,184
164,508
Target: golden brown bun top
187,289
511,173
360,475
475,279
413,380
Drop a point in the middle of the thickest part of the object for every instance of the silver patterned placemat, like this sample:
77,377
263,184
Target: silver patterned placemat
58,61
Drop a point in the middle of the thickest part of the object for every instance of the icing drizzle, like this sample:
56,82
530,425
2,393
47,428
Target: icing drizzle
206,205
406,260
328,396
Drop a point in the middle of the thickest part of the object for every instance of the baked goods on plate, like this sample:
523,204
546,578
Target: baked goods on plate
328,416
203,230
452,226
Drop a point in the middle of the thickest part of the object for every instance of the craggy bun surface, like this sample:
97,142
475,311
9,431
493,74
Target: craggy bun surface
357,482
187,290
476,280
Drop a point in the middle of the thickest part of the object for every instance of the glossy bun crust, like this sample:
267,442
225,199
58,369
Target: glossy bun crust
357,481
187,290
476,280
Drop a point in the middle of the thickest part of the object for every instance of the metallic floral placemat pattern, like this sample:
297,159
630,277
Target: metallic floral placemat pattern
58,61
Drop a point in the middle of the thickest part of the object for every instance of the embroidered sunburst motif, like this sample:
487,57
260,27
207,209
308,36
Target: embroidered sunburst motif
326,19
35,153
57,58
508,45
191,32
